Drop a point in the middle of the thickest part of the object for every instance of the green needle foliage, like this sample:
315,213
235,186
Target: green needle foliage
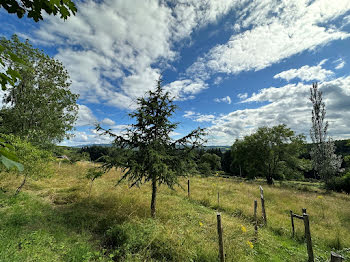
146,152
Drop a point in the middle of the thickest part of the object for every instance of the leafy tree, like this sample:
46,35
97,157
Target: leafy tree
213,160
147,153
7,156
33,8
9,76
35,160
96,152
270,153
40,107
226,161
324,160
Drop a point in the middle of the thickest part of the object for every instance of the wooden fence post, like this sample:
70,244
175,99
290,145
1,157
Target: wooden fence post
308,237
336,258
292,219
221,242
263,205
218,199
188,189
255,216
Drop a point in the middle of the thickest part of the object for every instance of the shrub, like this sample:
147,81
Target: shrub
339,184
35,160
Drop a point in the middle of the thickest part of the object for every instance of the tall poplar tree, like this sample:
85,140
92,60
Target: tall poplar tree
325,162
146,151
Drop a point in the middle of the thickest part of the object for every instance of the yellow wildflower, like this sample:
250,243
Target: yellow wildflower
243,228
200,224
250,244
320,197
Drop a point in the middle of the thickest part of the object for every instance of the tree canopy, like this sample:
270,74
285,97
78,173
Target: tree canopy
270,152
39,107
147,152
9,76
34,8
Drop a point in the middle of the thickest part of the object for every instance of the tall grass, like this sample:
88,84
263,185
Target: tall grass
53,219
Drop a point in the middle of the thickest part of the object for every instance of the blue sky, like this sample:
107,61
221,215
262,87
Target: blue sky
231,66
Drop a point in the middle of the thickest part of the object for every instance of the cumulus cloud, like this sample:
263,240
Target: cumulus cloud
185,89
299,26
86,138
107,122
225,99
288,105
85,116
115,50
306,73
197,117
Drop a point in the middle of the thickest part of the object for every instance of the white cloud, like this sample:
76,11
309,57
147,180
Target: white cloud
107,122
288,105
85,116
197,117
189,114
307,73
86,138
110,48
242,95
218,80
340,63
185,89
299,26
204,118
225,99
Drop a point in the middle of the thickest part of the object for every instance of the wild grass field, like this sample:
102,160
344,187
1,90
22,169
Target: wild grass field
54,219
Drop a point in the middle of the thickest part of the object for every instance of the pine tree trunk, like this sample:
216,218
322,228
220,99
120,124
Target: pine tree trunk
154,195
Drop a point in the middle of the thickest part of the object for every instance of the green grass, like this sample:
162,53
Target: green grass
54,220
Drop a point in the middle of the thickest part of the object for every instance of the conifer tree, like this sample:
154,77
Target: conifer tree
146,151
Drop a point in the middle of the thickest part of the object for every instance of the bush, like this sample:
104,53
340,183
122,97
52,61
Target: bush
34,160
339,184
204,169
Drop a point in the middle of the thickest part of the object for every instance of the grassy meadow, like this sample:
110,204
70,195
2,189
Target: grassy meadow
54,219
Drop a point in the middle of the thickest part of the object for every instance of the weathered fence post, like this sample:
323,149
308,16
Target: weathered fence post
188,189
308,237
263,205
221,241
218,199
255,216
292,219
336,258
